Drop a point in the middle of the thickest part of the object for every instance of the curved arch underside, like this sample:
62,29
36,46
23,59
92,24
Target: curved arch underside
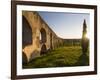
26,32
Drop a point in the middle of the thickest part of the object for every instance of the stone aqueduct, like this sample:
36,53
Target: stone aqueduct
38,37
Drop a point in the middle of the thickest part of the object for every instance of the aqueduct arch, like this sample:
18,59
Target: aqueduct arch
43,35
26,32
38,37
43,39
26,38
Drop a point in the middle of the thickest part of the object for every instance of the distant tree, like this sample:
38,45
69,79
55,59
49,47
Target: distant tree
84,38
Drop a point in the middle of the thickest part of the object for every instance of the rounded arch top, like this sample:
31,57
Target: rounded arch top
43,35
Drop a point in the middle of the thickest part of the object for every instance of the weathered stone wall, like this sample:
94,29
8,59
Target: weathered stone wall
39,30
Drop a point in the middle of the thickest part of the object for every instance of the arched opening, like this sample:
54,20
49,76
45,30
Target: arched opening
26,33
24,58
43,49
43,36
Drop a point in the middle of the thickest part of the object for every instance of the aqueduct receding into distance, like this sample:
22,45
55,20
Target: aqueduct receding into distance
38,37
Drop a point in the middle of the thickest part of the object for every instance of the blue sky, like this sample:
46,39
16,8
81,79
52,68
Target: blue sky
66,25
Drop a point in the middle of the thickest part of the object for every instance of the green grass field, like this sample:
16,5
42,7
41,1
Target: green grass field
60,57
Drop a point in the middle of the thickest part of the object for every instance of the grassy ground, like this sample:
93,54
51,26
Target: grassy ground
60,57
